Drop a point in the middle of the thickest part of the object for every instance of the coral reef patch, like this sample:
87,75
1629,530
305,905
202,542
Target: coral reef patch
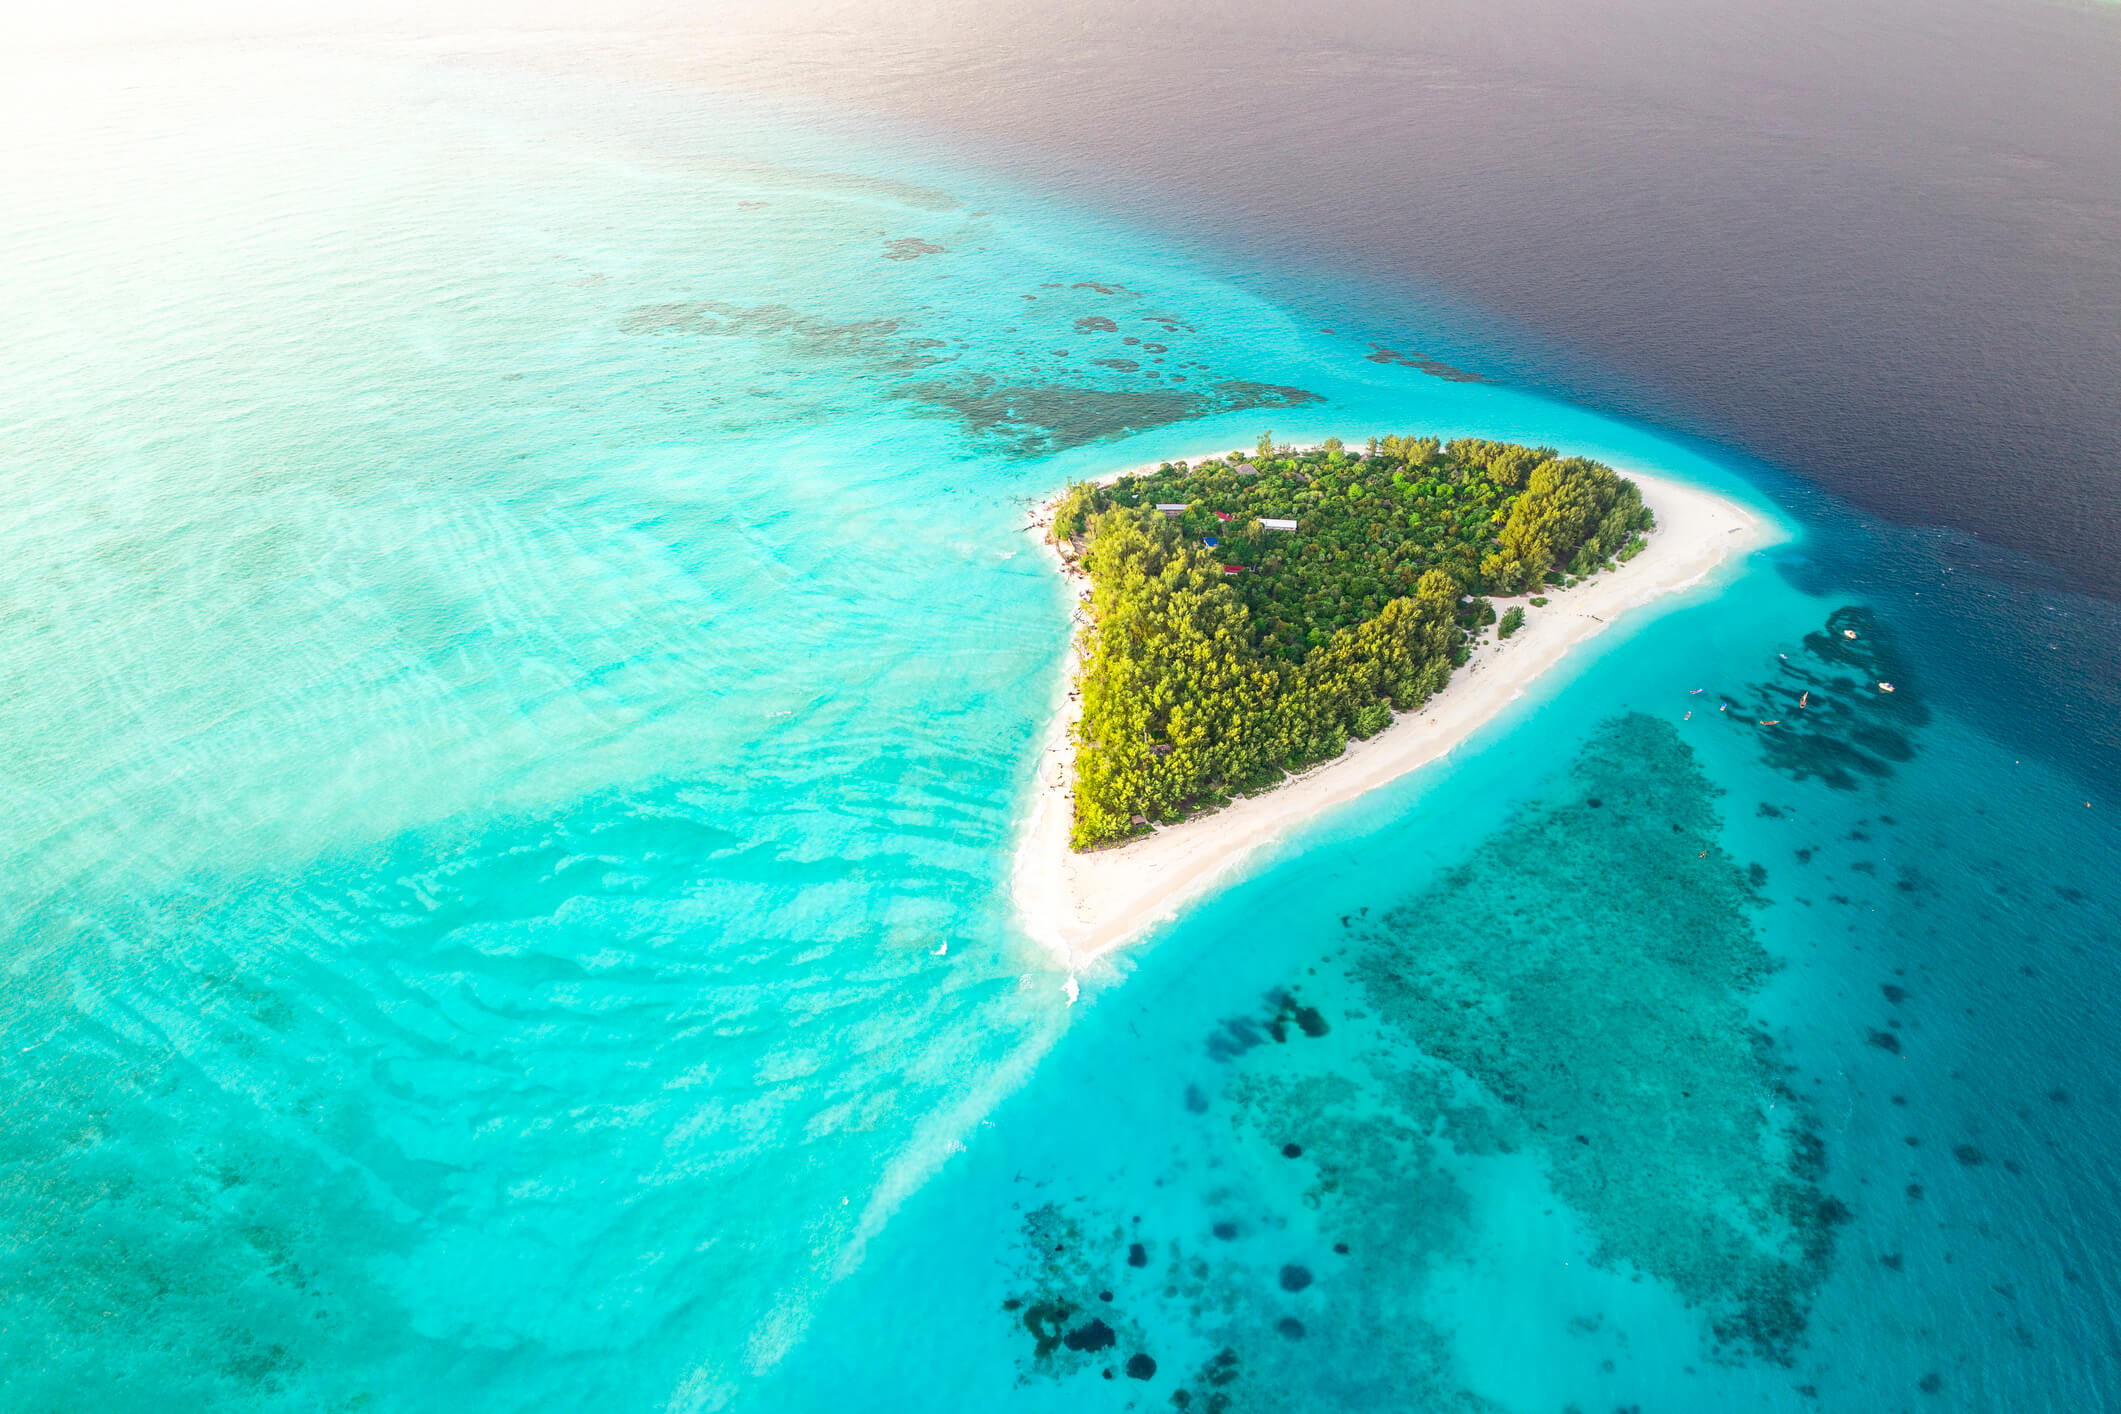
1014,401
1592,967
1844,709
1065,1295
1434,367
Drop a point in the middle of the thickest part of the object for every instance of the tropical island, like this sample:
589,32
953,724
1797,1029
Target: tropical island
1252,616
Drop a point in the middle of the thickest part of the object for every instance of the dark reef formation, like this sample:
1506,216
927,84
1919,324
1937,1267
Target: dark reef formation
1070,1312
1017,399
1434,367
1591,968
1844,710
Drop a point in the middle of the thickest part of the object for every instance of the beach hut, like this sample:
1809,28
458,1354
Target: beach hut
1233,569
1174,511
1225,515
1265,524
1247,469
1210,541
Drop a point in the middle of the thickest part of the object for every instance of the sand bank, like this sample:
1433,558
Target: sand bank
1083,904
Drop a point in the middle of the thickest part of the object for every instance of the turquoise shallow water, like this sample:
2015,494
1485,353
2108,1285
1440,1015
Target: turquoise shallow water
522,673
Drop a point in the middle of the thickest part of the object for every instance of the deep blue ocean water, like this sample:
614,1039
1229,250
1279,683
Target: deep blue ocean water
522,675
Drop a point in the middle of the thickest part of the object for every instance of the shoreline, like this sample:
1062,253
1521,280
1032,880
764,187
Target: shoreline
1081,906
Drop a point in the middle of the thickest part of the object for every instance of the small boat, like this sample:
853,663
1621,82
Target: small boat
1848,633
1776,723
1804,699
1688,717
1885,687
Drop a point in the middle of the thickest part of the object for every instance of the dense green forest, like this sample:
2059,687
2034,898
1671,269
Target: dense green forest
1224,653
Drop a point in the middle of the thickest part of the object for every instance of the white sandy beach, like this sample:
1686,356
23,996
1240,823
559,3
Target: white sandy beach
1081,905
